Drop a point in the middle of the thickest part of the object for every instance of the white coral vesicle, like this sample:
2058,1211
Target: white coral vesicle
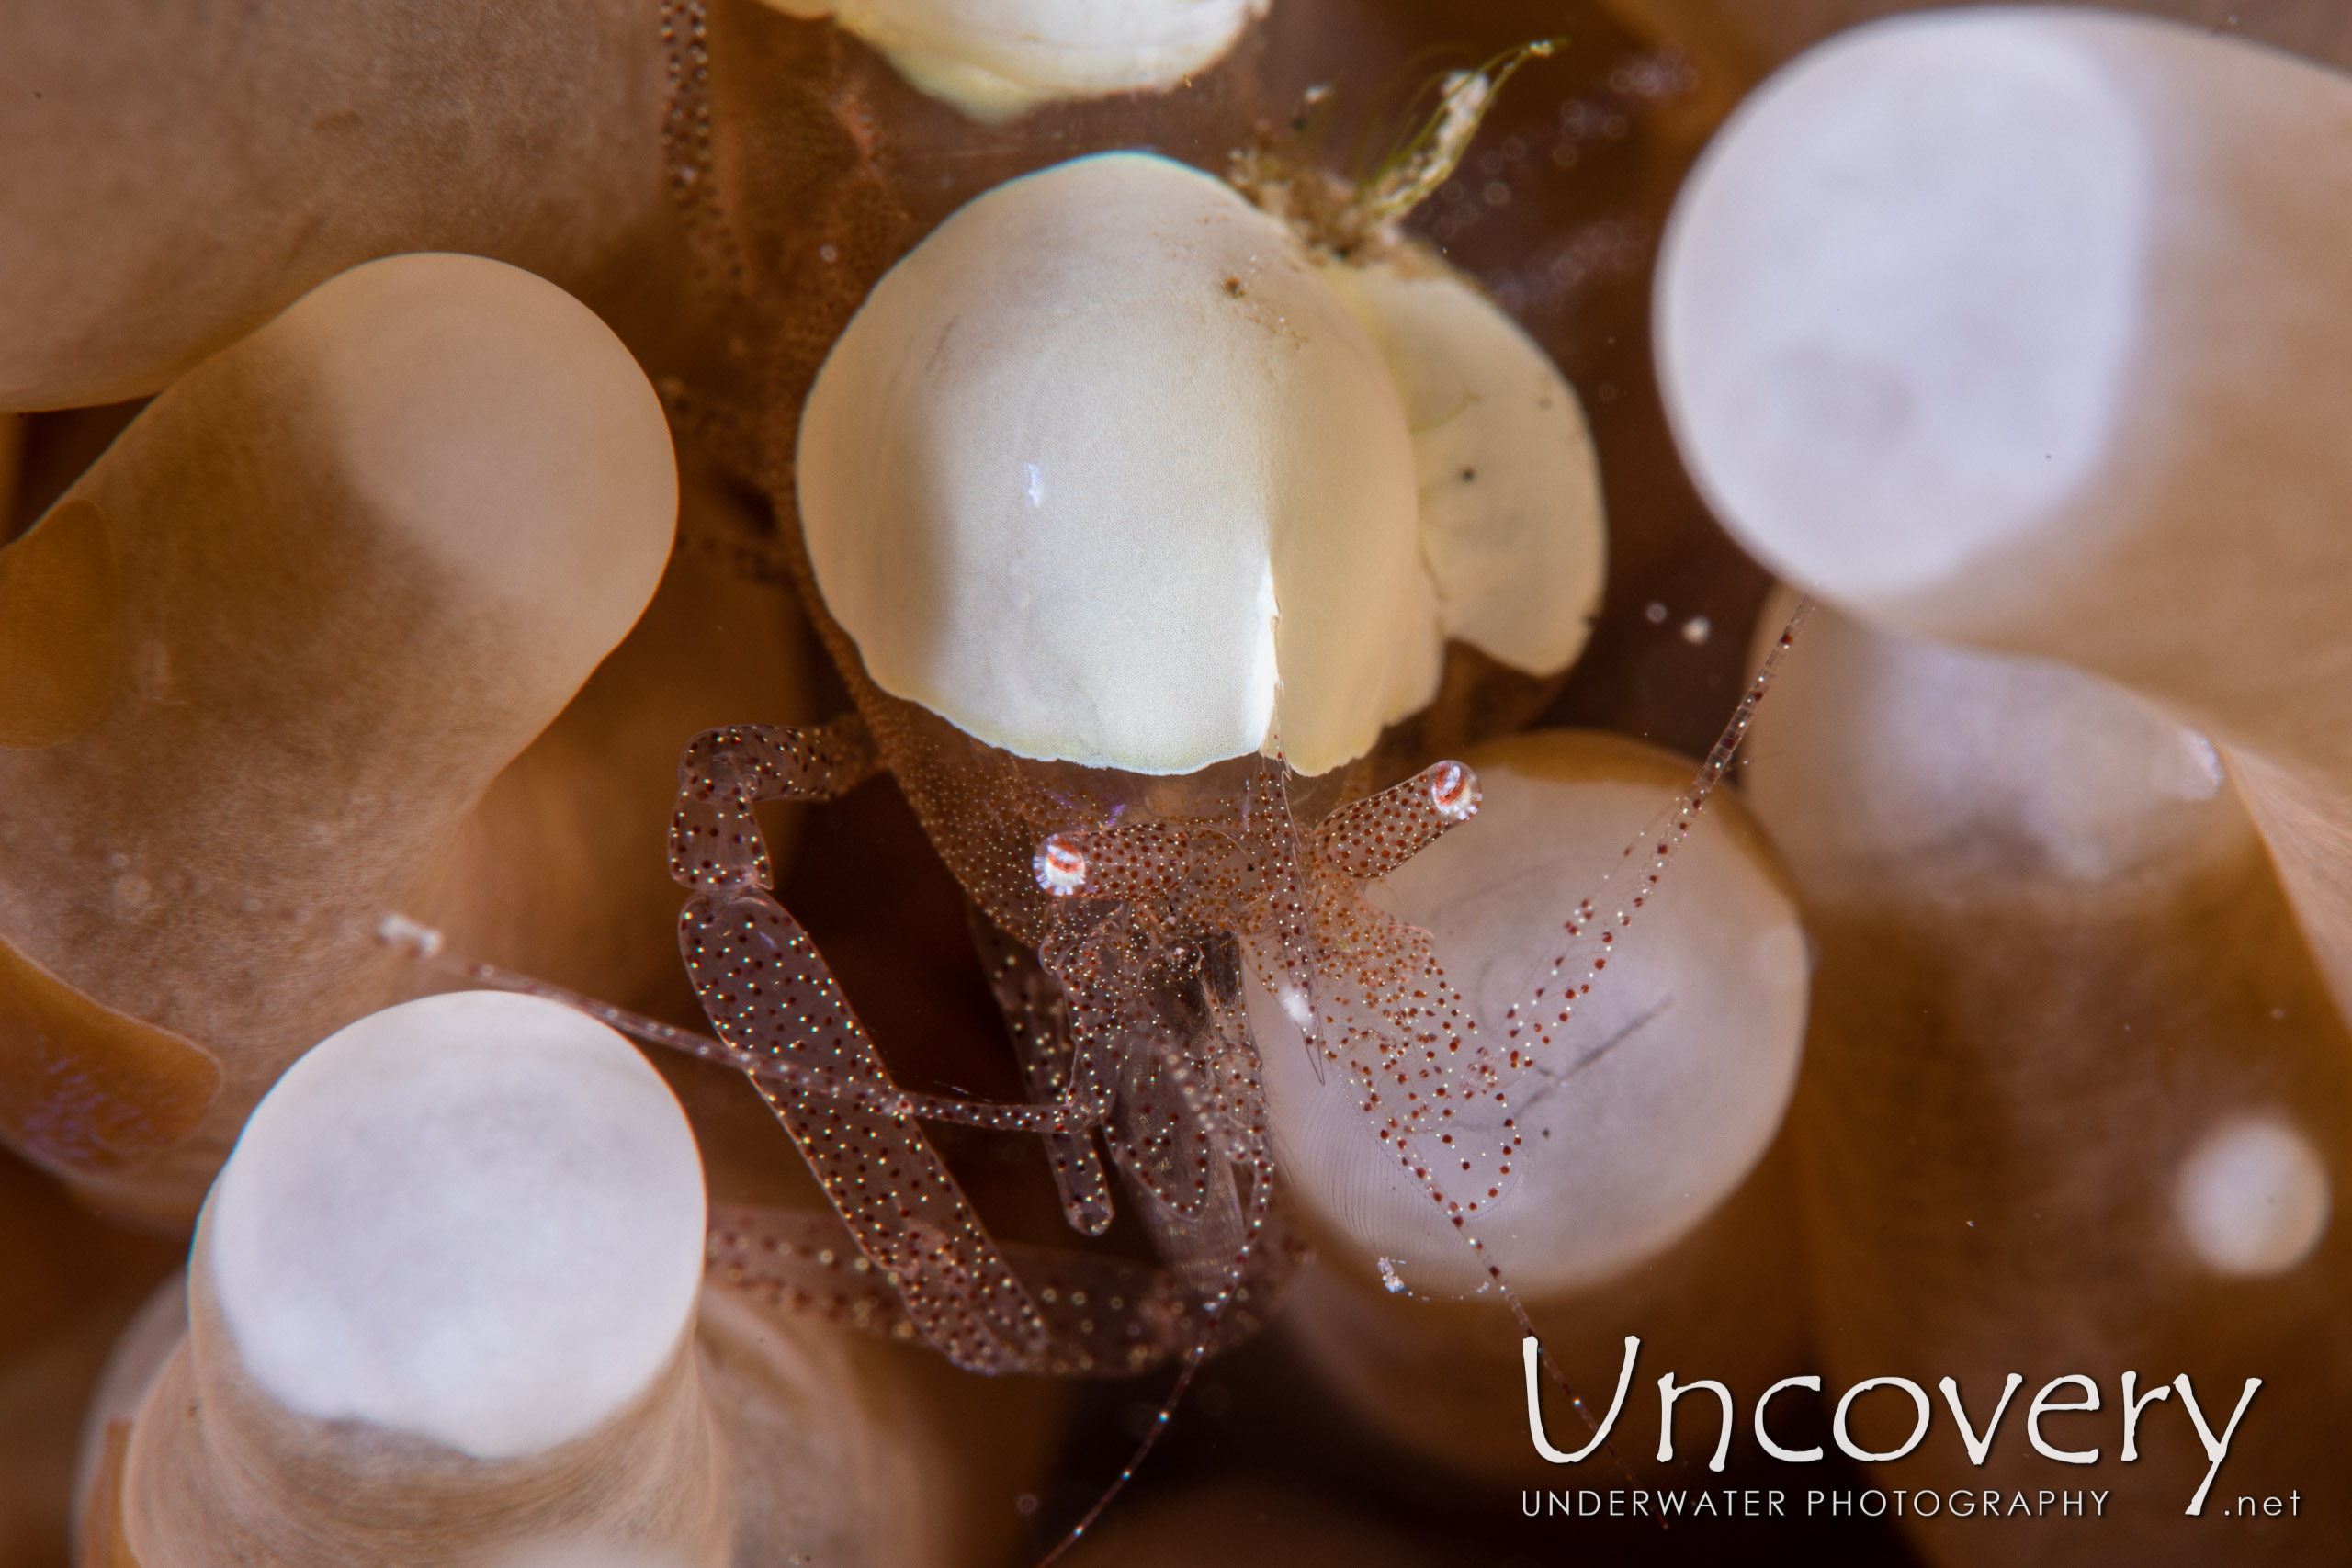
475,1218
1105,472
993,58
2253,1197
1898,300
1653,1105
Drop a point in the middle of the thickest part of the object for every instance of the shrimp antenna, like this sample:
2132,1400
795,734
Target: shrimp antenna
1684,811
1167,1413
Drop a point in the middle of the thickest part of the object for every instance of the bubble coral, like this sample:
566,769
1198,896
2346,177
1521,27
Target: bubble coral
230,650
2068,410
446,1301
809,164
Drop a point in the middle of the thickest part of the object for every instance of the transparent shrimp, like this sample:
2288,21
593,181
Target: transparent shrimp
1123,921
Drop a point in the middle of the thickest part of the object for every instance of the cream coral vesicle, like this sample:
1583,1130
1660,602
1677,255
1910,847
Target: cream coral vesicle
1111,469
1511,503
993,58
1104,472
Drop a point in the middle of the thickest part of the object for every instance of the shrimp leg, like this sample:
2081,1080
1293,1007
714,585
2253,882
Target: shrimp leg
768,993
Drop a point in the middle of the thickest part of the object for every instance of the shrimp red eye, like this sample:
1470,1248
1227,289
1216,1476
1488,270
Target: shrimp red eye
1453,792
1061,869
